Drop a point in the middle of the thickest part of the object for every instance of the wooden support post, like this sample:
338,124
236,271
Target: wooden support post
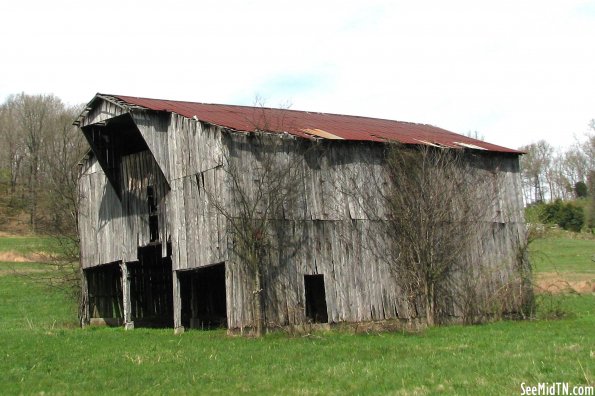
84,304
178,328
128,323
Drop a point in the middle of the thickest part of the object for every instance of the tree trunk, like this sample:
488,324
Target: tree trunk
259,306
430,304
33,198
34,211
14,174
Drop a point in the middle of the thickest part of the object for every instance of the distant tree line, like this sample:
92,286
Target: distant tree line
559,185
550,174
38,161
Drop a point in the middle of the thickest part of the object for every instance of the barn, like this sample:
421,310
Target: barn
197,215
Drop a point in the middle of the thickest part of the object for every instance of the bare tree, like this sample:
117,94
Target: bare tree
536,170
431,206
263,178
435,212
263,174
548,174
40,153
561,174
587,151
475,135
34,115
14,150
61,155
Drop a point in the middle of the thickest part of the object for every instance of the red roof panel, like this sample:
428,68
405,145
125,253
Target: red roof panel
307,124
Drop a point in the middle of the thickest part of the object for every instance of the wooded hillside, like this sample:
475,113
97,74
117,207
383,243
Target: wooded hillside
38,164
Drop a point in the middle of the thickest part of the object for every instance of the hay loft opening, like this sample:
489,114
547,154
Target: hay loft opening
112,140
203,296
316,311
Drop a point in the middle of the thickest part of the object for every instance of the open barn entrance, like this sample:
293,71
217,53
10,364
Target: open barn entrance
203,297
104,287
151,288
315,298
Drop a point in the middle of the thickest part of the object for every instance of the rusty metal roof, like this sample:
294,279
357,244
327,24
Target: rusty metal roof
312,125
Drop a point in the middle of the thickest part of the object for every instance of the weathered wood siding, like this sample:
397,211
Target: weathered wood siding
139,171
101,224
103,110
327,230
112,229
197,229
193,146
358,285
154,129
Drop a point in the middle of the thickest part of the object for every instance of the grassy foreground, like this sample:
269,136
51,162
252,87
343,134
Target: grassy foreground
42,350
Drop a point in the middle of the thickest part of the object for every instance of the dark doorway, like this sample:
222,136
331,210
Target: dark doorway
153,214
104,286
151,288
203,297
315,298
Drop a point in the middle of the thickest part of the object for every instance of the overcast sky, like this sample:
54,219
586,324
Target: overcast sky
515,71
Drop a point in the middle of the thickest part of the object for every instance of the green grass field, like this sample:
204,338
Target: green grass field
43,351
563,255
27,244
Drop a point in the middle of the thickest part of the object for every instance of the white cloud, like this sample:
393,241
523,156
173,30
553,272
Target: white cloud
514,71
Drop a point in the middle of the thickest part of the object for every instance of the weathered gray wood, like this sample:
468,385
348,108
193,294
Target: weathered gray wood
112,228
126,306
193,147
177,302
154,129
100,219
102,110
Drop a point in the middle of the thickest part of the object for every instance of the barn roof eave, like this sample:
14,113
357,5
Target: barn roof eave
127,107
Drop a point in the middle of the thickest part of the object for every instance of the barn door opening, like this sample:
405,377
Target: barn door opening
105,294
151,288
315,298
203,296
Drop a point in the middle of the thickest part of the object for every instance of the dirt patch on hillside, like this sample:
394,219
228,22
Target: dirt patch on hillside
13,257
552,282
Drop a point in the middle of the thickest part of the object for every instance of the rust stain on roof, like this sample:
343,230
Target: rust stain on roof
307,124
